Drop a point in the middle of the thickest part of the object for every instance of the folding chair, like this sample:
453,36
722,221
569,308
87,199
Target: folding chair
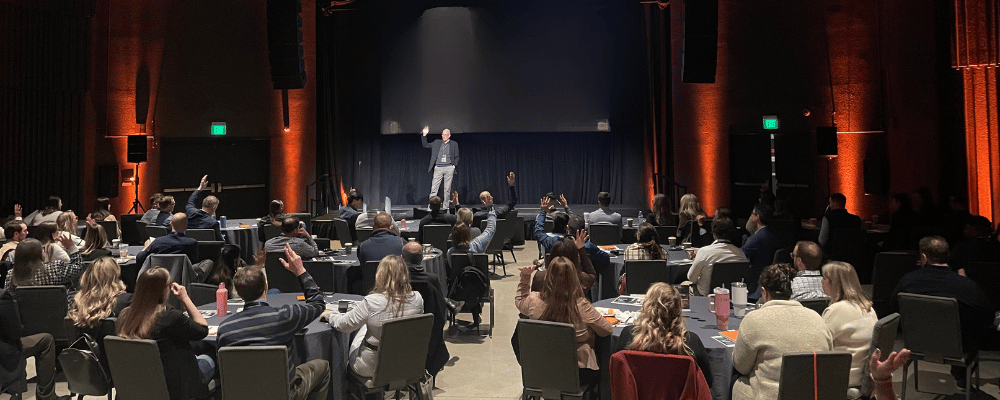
932,332
254,372
401,354
800,370
641,274
277,276
549,368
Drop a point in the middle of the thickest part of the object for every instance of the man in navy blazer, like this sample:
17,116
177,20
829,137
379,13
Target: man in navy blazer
383,242
759,247
444,159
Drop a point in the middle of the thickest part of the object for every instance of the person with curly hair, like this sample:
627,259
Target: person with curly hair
660,328
779,326
102,294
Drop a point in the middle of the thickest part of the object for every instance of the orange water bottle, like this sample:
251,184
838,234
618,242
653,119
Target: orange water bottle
221,300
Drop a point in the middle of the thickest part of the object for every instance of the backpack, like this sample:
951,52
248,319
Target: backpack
470,285
81,363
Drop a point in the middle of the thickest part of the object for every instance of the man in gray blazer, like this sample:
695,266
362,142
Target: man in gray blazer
444,159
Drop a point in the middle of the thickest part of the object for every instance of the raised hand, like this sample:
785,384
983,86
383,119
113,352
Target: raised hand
882,370
17,210
581,238
178,290
562,200
510,179
64,238
294,263
454,198
526,271
204,183
425,131
546,204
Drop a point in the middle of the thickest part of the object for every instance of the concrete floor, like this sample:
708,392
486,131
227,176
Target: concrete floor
484,368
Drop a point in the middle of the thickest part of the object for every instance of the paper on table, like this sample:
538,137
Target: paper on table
213,330
730,334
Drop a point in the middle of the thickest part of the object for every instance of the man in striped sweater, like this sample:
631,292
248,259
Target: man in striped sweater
259,324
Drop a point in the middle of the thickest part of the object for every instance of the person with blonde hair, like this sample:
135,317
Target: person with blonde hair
850,316
659,328
66,222
392,297
690,210
102,294
561,300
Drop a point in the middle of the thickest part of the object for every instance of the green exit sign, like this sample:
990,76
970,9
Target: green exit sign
218,129
770,122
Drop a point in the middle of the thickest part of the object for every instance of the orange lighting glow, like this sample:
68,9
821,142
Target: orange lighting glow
287,129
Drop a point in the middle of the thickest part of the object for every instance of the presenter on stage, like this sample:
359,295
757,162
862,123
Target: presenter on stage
444,159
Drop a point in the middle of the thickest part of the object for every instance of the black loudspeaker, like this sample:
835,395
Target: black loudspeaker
876,176
284,44
106,181
137,148
701,41
826,141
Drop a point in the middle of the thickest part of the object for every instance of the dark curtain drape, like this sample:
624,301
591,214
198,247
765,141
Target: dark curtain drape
352,152
43,80
659,137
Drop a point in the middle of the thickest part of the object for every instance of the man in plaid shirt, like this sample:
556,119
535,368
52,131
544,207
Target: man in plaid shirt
808,283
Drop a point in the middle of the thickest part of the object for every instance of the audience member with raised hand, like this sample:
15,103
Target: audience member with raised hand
720,251
294,234
53,207
808,284
392,297
882,372
561,300
660,328
573,248
67,223
56,245
102,294
780,326
151,317
466,244
95,243
204,217
486,199
260,324
30,268
850,316
565,225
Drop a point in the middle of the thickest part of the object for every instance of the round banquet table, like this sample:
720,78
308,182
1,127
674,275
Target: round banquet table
700,321
243,233
607,280
433,263
318,342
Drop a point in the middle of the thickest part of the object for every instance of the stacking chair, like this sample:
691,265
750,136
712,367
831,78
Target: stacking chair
818,304
364,234
401,354
643,273
143,235
889,269
136,368
435,235
799,370
254,372
88,376
130,230
933,333
277,276
518,223
201,235
42,309
209,250
459,261
269,231
111,228
495,247
154,232
782,255
639,375
202,293
724,274
321,272
368,276
883,338
549,368
605,234
343,232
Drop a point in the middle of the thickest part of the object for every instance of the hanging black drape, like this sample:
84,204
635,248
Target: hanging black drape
352,152
43,80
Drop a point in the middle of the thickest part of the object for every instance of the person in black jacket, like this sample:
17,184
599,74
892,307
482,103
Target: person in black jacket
444,159
383,242
176,243
429,287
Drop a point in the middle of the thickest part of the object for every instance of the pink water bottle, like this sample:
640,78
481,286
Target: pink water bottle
221,300
402,224
720,307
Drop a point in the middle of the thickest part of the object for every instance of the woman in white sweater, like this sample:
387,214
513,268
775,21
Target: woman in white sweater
391,298
780,326
850,315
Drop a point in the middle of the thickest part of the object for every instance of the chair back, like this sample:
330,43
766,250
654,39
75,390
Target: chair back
111,228
548,358
209,250
931,328
403,351
364,234
322,273
798,371
435,235
270,231
643,273
517,223
605,234
136,369
143,235
277,276
254,372
883,338
724,274
42,309
86,367
155,231
130,231
783,255
343,231
368,276
419,213
502,233
664,233
202,293
818,304
639,375
201,235
889,269
458,262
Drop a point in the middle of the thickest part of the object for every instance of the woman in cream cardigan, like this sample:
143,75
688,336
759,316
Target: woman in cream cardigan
850,315
780,326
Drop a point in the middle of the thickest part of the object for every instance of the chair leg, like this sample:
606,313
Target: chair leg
906,366
492,307
916,376
512,253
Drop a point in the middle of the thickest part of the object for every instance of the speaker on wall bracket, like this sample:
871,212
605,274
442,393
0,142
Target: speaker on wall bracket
137,149
826,141
701,41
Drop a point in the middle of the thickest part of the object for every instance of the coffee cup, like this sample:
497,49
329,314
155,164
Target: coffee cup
343,306
630,222
673,241
718,304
